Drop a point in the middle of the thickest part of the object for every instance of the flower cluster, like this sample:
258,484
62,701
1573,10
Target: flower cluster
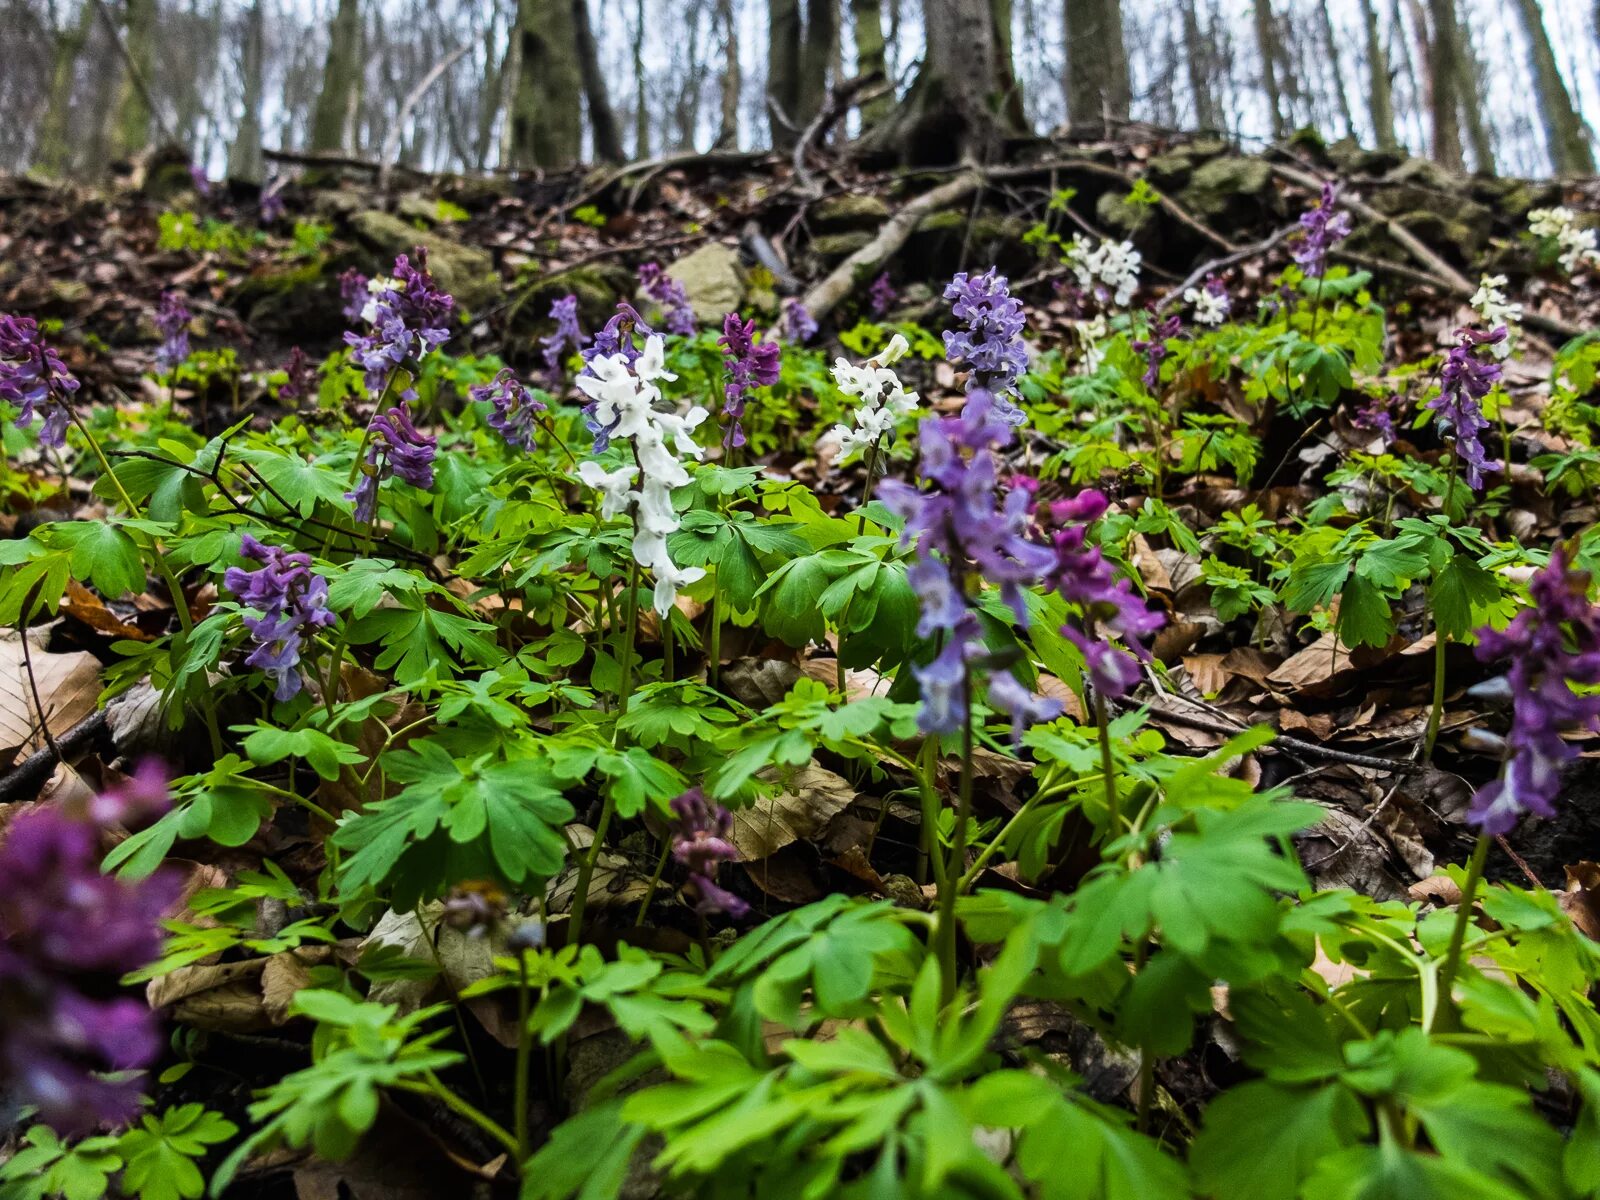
1091,334
881,295
1109,270
172,323
396,447
1378,416
625,397
700,843
293,603
1464,380
1321,226
1552,645
616,338
301,381
273,208
407,315
515,412
1211,303
750,364
677,314
1496,311
567,337
1107,604
883,398
33,377
1577,242
799,326
353,294
1154,347
990,346
67,936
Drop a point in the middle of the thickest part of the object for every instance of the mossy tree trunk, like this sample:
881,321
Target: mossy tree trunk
867,20
546,116
641,109
1474,83
784,29
131,117
954,110
244,159
1097,62
1012,108
819,49
602,120
340,80
732,80
55,144
1380,96
1199,54
1270,53
1446,72
1570,153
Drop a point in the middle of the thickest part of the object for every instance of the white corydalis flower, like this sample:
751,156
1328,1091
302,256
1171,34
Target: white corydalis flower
1495,310
883,398
1110,269
1210,308
626,397
1577,242
1091,335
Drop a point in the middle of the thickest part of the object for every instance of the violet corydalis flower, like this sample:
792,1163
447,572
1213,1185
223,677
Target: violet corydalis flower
1377,415
353,294
407,316
1154,347
799,326
172,322
33,377
565,338
1464,380
881,295
302,377
750,364
67,936
292,602
990,347
677,314
1552,645
701,842
394,447
515,412
1320,227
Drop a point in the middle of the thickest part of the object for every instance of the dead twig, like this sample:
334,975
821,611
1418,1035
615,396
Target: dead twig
391,140
28,776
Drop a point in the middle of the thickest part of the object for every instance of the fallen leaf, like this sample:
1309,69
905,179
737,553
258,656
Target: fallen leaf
68,687
813,797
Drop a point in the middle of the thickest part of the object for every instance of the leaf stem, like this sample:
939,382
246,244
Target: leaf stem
945,932
1458,934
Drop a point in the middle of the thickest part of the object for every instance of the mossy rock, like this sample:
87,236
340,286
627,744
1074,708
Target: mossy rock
846,213
338,204
1203,148
466,272
1233,187
597,286
418,209
1122,217
1424,173
1451,236
1511,200
714,280
301,302
834,247
1351,158
942,242
476,193
1170,171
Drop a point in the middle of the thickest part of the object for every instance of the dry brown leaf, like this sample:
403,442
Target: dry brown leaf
1581,898
813,797
85,606
68,684
1207,672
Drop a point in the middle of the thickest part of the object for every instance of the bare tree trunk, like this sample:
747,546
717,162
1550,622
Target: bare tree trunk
339,79
1473,85
818,50
1445,70
1330,47
546,119
244,161
1564,135
1380,99
950,113
868,23
1269,50
783,71
1097,62
1011,107
55,144
732,77
510,81
602,121
1199,57
131,116
641,111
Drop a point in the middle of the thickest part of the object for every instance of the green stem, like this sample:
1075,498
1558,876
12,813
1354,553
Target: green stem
946,930
989,851
580,897
433,1087
1107,767
519,1118
1435,713
1458,934
630,636
655,882
714,650
924,774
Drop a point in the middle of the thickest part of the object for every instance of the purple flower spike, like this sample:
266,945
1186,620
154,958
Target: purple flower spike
33,377
202,183
1552,645
750,364
1154,348
1377,415
799,326
67,936
407,316
677,313
1320,227
293,603
1464,380
394,447
353,294
516,410
881,295
172,322
302,381
567,337
990,347
701,844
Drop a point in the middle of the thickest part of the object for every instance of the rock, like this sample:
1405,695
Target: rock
714,280
832,247
466,272
418,209
1351,158
1170,171
849,213
943,241
338,204
301,302
1121,217
1423,173
1231,185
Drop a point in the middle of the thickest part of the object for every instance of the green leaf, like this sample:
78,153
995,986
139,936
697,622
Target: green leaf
1263,1140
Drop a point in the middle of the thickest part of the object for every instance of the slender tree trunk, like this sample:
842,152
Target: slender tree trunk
1380,99
1269,50
55,143
818,50
1570,153
783,71
1474,82
732,81
1097,62
1012,108
950,113
339,79
1330,47
641,111
1445,70
1198,57
868,23
244,160
546,118
510,81
602,120
131,116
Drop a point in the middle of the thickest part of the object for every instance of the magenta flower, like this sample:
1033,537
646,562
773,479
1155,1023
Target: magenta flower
67,936
1464,380
515,409
1154,348
1320,227
302,381
1552,644
677,314
700,843
750,364
394,447
292,603
990,347
33,377
406,317
172,322
566,338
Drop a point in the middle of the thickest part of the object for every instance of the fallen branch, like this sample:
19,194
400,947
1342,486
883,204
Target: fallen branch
24,780
843,279
391,140
841,98
1242,254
